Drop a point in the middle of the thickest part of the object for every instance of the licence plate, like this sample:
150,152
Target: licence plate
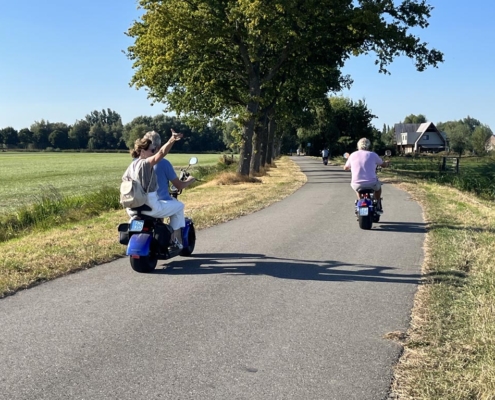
136,225
363,211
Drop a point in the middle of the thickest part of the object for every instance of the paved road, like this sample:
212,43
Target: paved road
291,302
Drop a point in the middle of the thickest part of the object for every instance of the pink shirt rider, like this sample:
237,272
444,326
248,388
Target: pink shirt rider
363,166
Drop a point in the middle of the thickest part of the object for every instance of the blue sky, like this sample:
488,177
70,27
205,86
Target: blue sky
60,60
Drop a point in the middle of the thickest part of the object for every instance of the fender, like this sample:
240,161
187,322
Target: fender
139,245
185,232
364,203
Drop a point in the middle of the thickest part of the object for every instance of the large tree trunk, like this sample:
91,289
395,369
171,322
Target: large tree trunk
249,125
257,141
277,145
272,126
264,144
246,146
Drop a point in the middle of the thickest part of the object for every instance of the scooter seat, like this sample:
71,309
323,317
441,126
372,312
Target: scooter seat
144,207
366,190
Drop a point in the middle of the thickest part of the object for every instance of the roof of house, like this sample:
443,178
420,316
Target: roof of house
415,131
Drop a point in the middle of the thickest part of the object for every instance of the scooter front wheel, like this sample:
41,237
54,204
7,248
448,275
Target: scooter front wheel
144,264
191,242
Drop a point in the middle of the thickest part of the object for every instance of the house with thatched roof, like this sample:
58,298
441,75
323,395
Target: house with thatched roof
419,138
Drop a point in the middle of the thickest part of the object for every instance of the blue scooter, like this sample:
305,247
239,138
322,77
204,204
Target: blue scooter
148,239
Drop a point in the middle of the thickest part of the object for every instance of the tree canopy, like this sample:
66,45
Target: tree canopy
239,57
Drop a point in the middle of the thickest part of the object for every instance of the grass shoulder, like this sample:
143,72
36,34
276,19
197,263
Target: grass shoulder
449,351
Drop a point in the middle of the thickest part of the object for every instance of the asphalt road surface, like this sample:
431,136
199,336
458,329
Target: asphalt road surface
291,302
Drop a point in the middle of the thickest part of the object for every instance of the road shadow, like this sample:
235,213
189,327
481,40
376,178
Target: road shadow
327,171
406,227
259,264
459,227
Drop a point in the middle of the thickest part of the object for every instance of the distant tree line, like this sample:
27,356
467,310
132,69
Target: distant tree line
103,130
335,122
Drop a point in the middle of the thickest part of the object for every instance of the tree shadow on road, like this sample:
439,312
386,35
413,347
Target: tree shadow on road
259,264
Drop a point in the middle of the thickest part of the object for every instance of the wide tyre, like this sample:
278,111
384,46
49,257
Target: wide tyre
191,240
144,264
365,222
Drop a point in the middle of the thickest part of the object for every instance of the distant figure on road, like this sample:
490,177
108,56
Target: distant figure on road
324,155
298,151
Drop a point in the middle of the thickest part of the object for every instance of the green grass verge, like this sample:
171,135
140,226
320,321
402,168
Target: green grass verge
26,177
50,208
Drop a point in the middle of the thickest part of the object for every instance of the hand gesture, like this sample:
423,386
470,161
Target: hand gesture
176,136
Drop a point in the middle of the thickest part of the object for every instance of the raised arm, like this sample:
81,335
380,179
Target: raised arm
163,151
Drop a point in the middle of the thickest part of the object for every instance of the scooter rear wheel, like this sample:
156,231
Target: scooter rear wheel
144,264
365,222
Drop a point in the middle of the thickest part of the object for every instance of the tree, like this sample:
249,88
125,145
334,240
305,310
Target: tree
97,137
212,57
79,134
415,119
231,135
8,136
479,139
473,123
106,129
351,121
25,137
388,136
460,138
104,117
41,130
135,131
59,139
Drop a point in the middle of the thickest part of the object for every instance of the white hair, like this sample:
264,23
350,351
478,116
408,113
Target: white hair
156,140
363,144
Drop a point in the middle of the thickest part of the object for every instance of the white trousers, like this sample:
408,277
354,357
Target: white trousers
165,208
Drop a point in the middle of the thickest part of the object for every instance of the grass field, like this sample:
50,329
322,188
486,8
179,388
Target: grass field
476,174
25,175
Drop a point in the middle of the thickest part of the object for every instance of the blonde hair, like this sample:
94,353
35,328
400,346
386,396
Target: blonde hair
140,144
363,144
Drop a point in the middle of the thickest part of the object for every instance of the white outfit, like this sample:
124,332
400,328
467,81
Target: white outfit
162,209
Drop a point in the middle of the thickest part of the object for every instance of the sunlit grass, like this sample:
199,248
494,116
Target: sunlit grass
25,176
450,349
49,208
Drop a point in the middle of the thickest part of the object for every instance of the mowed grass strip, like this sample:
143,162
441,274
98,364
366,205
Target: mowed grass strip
40,256
25,176
449,352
